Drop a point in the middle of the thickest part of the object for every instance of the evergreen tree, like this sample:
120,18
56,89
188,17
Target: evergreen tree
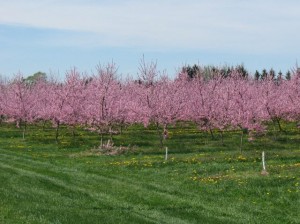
257,75
272,74
264,74
288,75
279,75
279,78
243,72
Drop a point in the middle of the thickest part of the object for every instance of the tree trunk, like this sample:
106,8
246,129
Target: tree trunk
101,139
110,134
73,132
24,129
56,131
121,128
279,125
222,138
159,135
241,144
211,134
44,125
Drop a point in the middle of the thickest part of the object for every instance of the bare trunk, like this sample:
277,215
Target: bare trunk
241,143
279,125
101,139
121,128
110,134
73,132
159,135
211,134
24,130
56,131
44,125
222,138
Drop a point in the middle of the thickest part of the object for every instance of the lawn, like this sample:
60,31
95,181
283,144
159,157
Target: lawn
202,181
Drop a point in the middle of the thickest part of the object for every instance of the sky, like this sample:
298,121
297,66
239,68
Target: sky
54,36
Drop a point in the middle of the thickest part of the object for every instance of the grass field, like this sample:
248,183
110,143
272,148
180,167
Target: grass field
42,181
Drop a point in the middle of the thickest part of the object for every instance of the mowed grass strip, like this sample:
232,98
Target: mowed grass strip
66,185
32,187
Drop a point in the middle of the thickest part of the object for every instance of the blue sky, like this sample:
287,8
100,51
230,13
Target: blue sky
56,35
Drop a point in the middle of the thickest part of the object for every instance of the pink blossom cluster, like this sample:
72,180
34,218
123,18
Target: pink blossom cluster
102,100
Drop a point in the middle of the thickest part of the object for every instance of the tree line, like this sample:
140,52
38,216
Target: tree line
102,101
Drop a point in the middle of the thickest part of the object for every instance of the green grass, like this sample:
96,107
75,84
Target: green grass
42,181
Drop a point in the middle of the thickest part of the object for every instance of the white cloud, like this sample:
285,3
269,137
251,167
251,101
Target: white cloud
237,25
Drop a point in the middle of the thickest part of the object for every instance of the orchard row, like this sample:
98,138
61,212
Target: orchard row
102,101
